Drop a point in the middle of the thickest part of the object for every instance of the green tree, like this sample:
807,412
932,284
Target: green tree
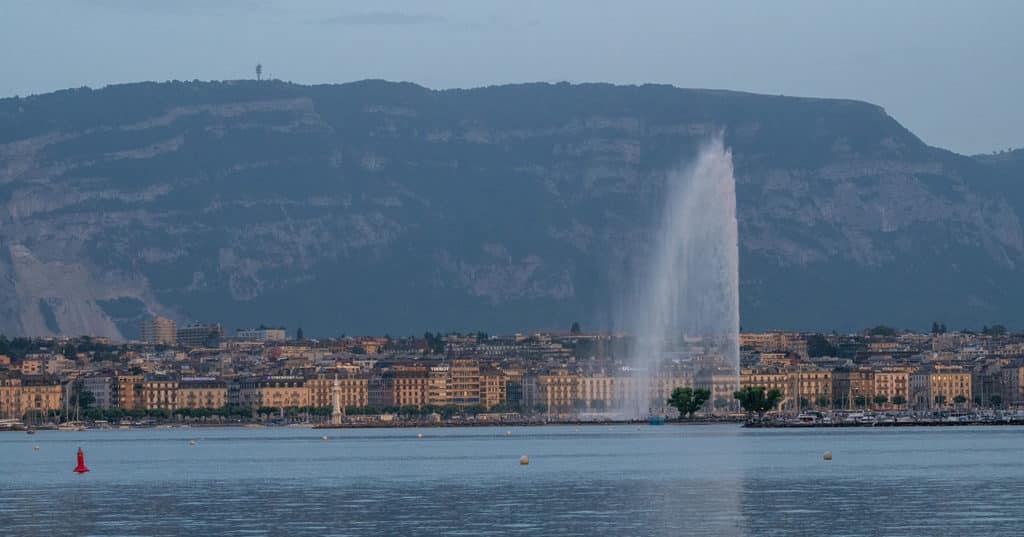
819,345
755,400
940,400
823,401
994,330
882,330
996,400
86,399
959,400
880,400
688,400
860,401
899,400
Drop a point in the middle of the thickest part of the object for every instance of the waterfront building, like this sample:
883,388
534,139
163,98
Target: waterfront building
853,387
409,385
769,378
558,390
721,382
352,390
464,382
10,397
40,394
102,389
939,386
893,383
438,385
493,387
517,392
127,392
1012,385
595,391
160,393
801,386
273,391
202,392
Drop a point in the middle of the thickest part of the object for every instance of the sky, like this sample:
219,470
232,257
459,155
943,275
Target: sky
952,72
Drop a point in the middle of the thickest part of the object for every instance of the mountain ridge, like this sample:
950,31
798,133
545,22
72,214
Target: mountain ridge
377,206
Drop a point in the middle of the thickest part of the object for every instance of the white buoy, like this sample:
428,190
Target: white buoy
524,460
419,435
508,433
827,456
324,438
35,447
191,442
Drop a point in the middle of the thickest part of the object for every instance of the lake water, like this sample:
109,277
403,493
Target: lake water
620,480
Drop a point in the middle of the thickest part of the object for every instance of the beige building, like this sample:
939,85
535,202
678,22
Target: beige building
1012,382
801,387
940,386
409,385
278,392
852,385
202,392
160,394
438,385
493,387
10,397
596,391
464,382
40,395
353,390
893,383
557,389
159,331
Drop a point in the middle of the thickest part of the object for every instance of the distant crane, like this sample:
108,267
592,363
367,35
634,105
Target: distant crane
259,71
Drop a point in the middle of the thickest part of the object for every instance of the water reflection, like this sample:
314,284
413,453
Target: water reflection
654,481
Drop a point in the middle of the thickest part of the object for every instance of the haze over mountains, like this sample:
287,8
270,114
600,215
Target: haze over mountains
377,207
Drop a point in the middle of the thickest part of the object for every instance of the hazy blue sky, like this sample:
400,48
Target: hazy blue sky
953,72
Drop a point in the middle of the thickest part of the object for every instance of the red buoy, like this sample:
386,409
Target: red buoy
81,468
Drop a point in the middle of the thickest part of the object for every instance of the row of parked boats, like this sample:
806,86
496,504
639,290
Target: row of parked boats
872,419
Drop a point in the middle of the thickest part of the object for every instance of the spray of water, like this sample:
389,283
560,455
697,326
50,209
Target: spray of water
686,306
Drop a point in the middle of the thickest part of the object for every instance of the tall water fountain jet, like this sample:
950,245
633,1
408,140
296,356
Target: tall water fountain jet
686,307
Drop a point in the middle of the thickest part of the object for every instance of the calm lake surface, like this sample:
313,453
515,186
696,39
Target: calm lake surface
620,480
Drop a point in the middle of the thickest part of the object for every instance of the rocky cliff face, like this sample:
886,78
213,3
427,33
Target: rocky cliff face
384,207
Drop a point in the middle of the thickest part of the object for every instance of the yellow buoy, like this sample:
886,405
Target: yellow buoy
524,460
827,456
